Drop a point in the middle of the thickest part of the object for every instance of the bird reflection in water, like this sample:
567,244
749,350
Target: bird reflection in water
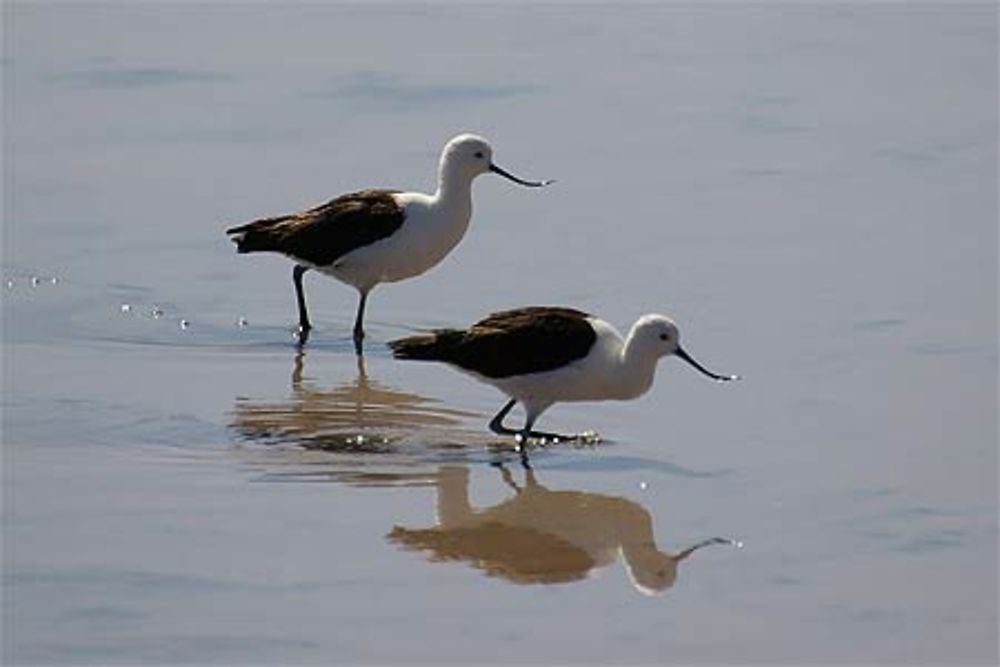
544,536
357,416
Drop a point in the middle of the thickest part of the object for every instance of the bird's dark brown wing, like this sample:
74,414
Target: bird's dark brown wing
323,234
508,343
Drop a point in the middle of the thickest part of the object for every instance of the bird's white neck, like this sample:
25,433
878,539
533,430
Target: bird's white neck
454,186
453,202
637,367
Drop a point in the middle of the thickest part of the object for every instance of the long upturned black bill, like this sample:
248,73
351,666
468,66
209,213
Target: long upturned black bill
715,376
704,543
506,174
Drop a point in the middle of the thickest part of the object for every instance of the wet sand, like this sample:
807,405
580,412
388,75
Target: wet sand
810,192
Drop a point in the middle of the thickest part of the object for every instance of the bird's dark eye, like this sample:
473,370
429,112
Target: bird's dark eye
479,154
664,336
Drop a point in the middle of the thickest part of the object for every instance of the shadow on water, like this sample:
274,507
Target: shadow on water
542,536
360,416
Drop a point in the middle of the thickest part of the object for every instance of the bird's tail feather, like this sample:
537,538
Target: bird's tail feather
434,346
259,236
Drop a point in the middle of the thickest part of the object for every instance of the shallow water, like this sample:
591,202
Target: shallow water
811,192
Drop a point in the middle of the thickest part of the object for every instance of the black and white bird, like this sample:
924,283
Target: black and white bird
542,355
375,236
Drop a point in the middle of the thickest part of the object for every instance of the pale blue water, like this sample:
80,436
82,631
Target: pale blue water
810,191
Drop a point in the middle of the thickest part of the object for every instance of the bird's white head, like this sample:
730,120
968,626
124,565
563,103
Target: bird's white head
468,155
658,336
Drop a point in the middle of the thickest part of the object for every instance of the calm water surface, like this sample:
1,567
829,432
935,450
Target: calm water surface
810,192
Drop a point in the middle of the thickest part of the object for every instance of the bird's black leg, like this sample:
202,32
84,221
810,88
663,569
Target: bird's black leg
496,424
304,325
359,331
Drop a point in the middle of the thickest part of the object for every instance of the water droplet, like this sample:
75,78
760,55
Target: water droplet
35,281
126,308
643,486
157,312
54,280
737,543
184,324
242,322
10,284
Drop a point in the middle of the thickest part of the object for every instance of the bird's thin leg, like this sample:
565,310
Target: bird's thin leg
496,424
359,331
304,325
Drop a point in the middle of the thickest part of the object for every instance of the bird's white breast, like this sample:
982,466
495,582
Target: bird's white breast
429,232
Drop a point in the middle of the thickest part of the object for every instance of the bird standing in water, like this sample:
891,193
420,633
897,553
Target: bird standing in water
542,355
375,236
